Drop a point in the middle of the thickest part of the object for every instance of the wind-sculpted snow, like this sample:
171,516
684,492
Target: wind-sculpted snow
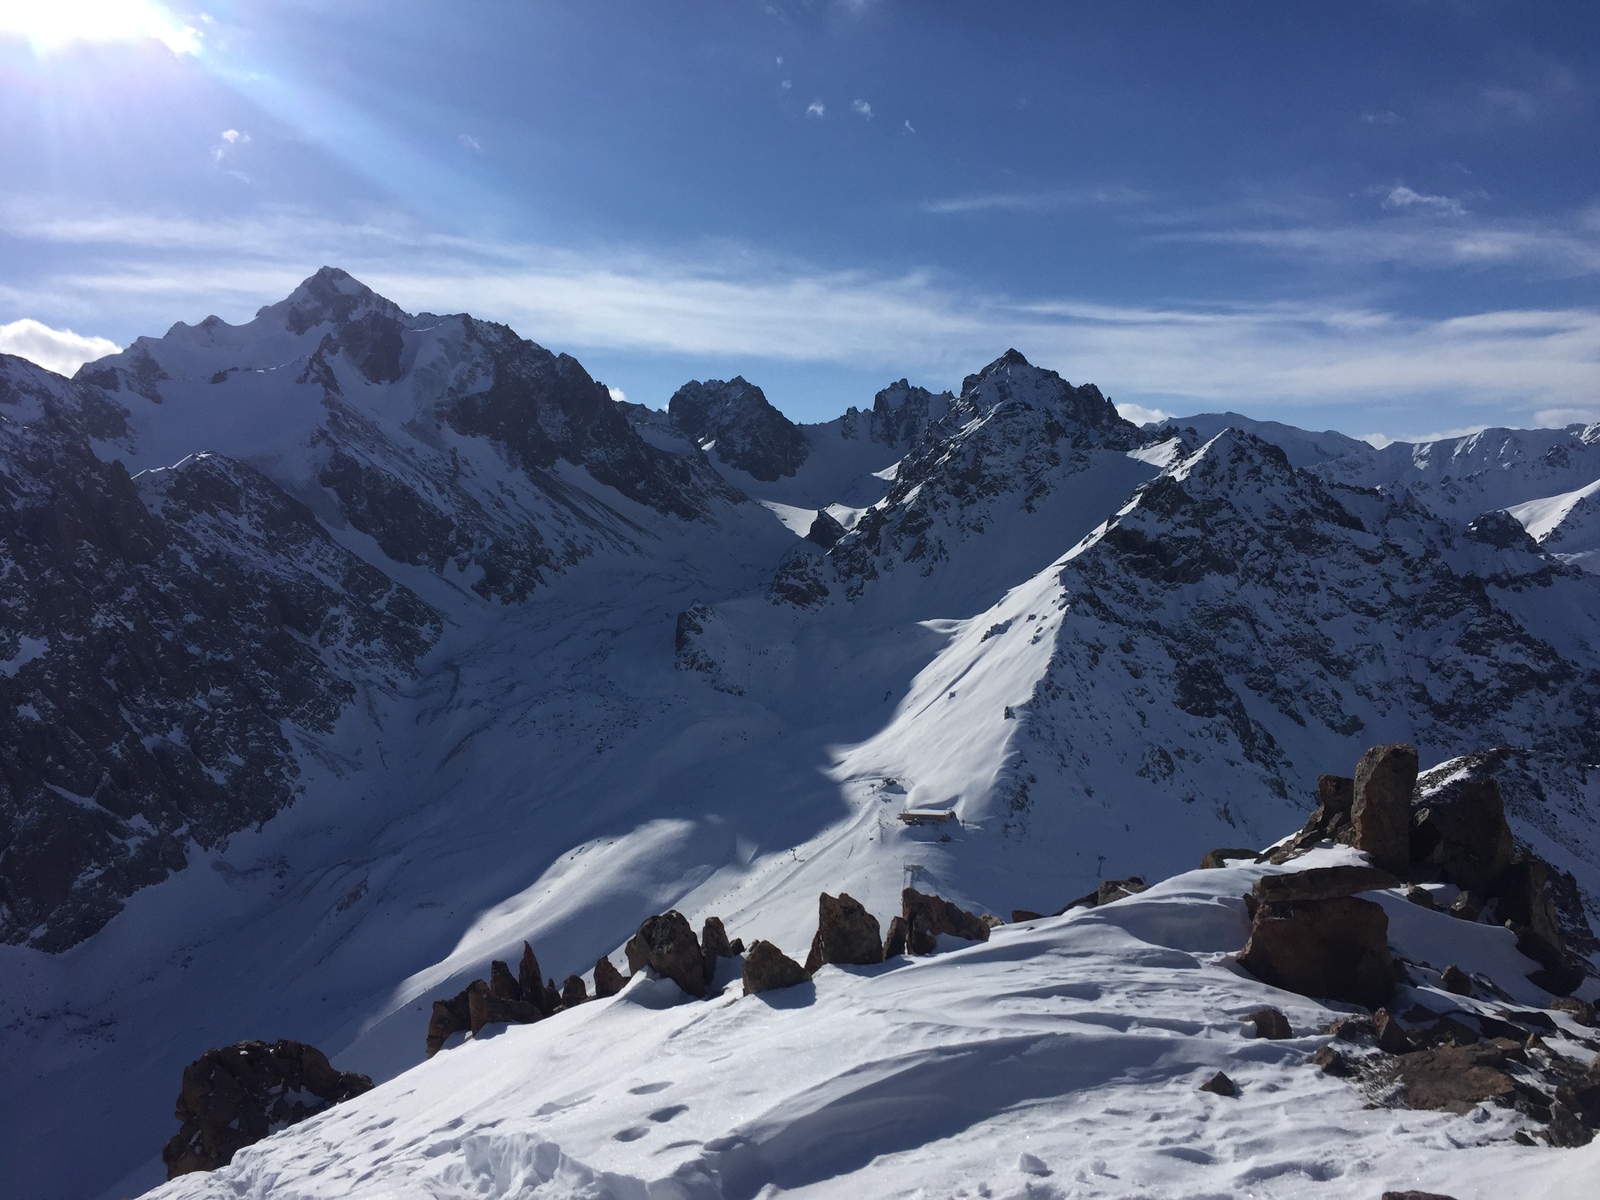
1063,1057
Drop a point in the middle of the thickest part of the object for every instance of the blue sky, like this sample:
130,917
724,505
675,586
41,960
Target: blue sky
1382,217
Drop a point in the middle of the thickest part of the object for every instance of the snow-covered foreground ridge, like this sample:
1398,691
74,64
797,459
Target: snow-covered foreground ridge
344,649
1061,1058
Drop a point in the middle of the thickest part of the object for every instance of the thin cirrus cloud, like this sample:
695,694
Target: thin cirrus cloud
816,109
861,108
1029,202
734,303
59,350
1401,197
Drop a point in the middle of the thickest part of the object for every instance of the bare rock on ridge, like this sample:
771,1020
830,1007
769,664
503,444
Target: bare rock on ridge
1380,813
666,944
234,1096
846,933
608,981
1336,949
766,967
928,916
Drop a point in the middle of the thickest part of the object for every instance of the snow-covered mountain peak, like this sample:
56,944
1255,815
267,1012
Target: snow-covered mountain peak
735,420
330,297
1011,378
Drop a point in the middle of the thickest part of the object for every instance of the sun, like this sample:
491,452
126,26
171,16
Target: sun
49,25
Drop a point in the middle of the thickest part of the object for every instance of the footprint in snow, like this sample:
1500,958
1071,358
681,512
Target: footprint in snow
666,1114
645,1089
631,1134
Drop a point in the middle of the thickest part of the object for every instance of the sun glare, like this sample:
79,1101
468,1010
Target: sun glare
49,25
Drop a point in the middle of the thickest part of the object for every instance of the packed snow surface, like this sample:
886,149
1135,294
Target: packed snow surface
1063,1058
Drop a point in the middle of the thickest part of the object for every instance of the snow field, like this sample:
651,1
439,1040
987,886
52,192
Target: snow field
1060,1059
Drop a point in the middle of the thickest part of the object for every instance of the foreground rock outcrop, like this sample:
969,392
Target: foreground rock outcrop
236,1095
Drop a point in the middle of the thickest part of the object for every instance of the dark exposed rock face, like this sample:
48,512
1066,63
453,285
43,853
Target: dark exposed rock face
1380,813
608,981
1321,883
484,1007
747,431
530,983
1462,830
172,636
1213,859
766,967
1270,1023
667,945
237,1095
1336,949
846,933
1220,1085
573,991
448,1017
502,982
928,916
894,942
1455,1078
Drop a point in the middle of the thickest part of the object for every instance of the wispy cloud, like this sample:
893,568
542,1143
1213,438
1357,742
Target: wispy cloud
861,108
469,142
816,109
1139,414
732,301
1031,202
1403,197
1564,247
59,350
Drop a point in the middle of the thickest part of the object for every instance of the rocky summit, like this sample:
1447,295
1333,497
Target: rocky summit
377,679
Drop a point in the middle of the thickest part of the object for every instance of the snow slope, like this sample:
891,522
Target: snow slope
1063,1057
1567,525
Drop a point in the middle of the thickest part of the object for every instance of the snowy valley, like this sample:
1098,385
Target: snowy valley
346,649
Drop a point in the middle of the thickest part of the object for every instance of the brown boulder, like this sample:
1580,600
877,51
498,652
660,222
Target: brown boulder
667,945
1220,1085
449,1016
608,981
1453,1078
1461,830
1380,812
530,981
485,1008
1322,883
552,997
502,983
1456,981
1335,949
1392,1036
1269,1023
766,967
928,916
573,992
236,1095
846,933
714,939
894,942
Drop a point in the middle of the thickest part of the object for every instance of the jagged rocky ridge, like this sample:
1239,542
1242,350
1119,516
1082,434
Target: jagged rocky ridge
177,638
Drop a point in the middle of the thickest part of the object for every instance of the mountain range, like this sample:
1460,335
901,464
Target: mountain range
344,649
